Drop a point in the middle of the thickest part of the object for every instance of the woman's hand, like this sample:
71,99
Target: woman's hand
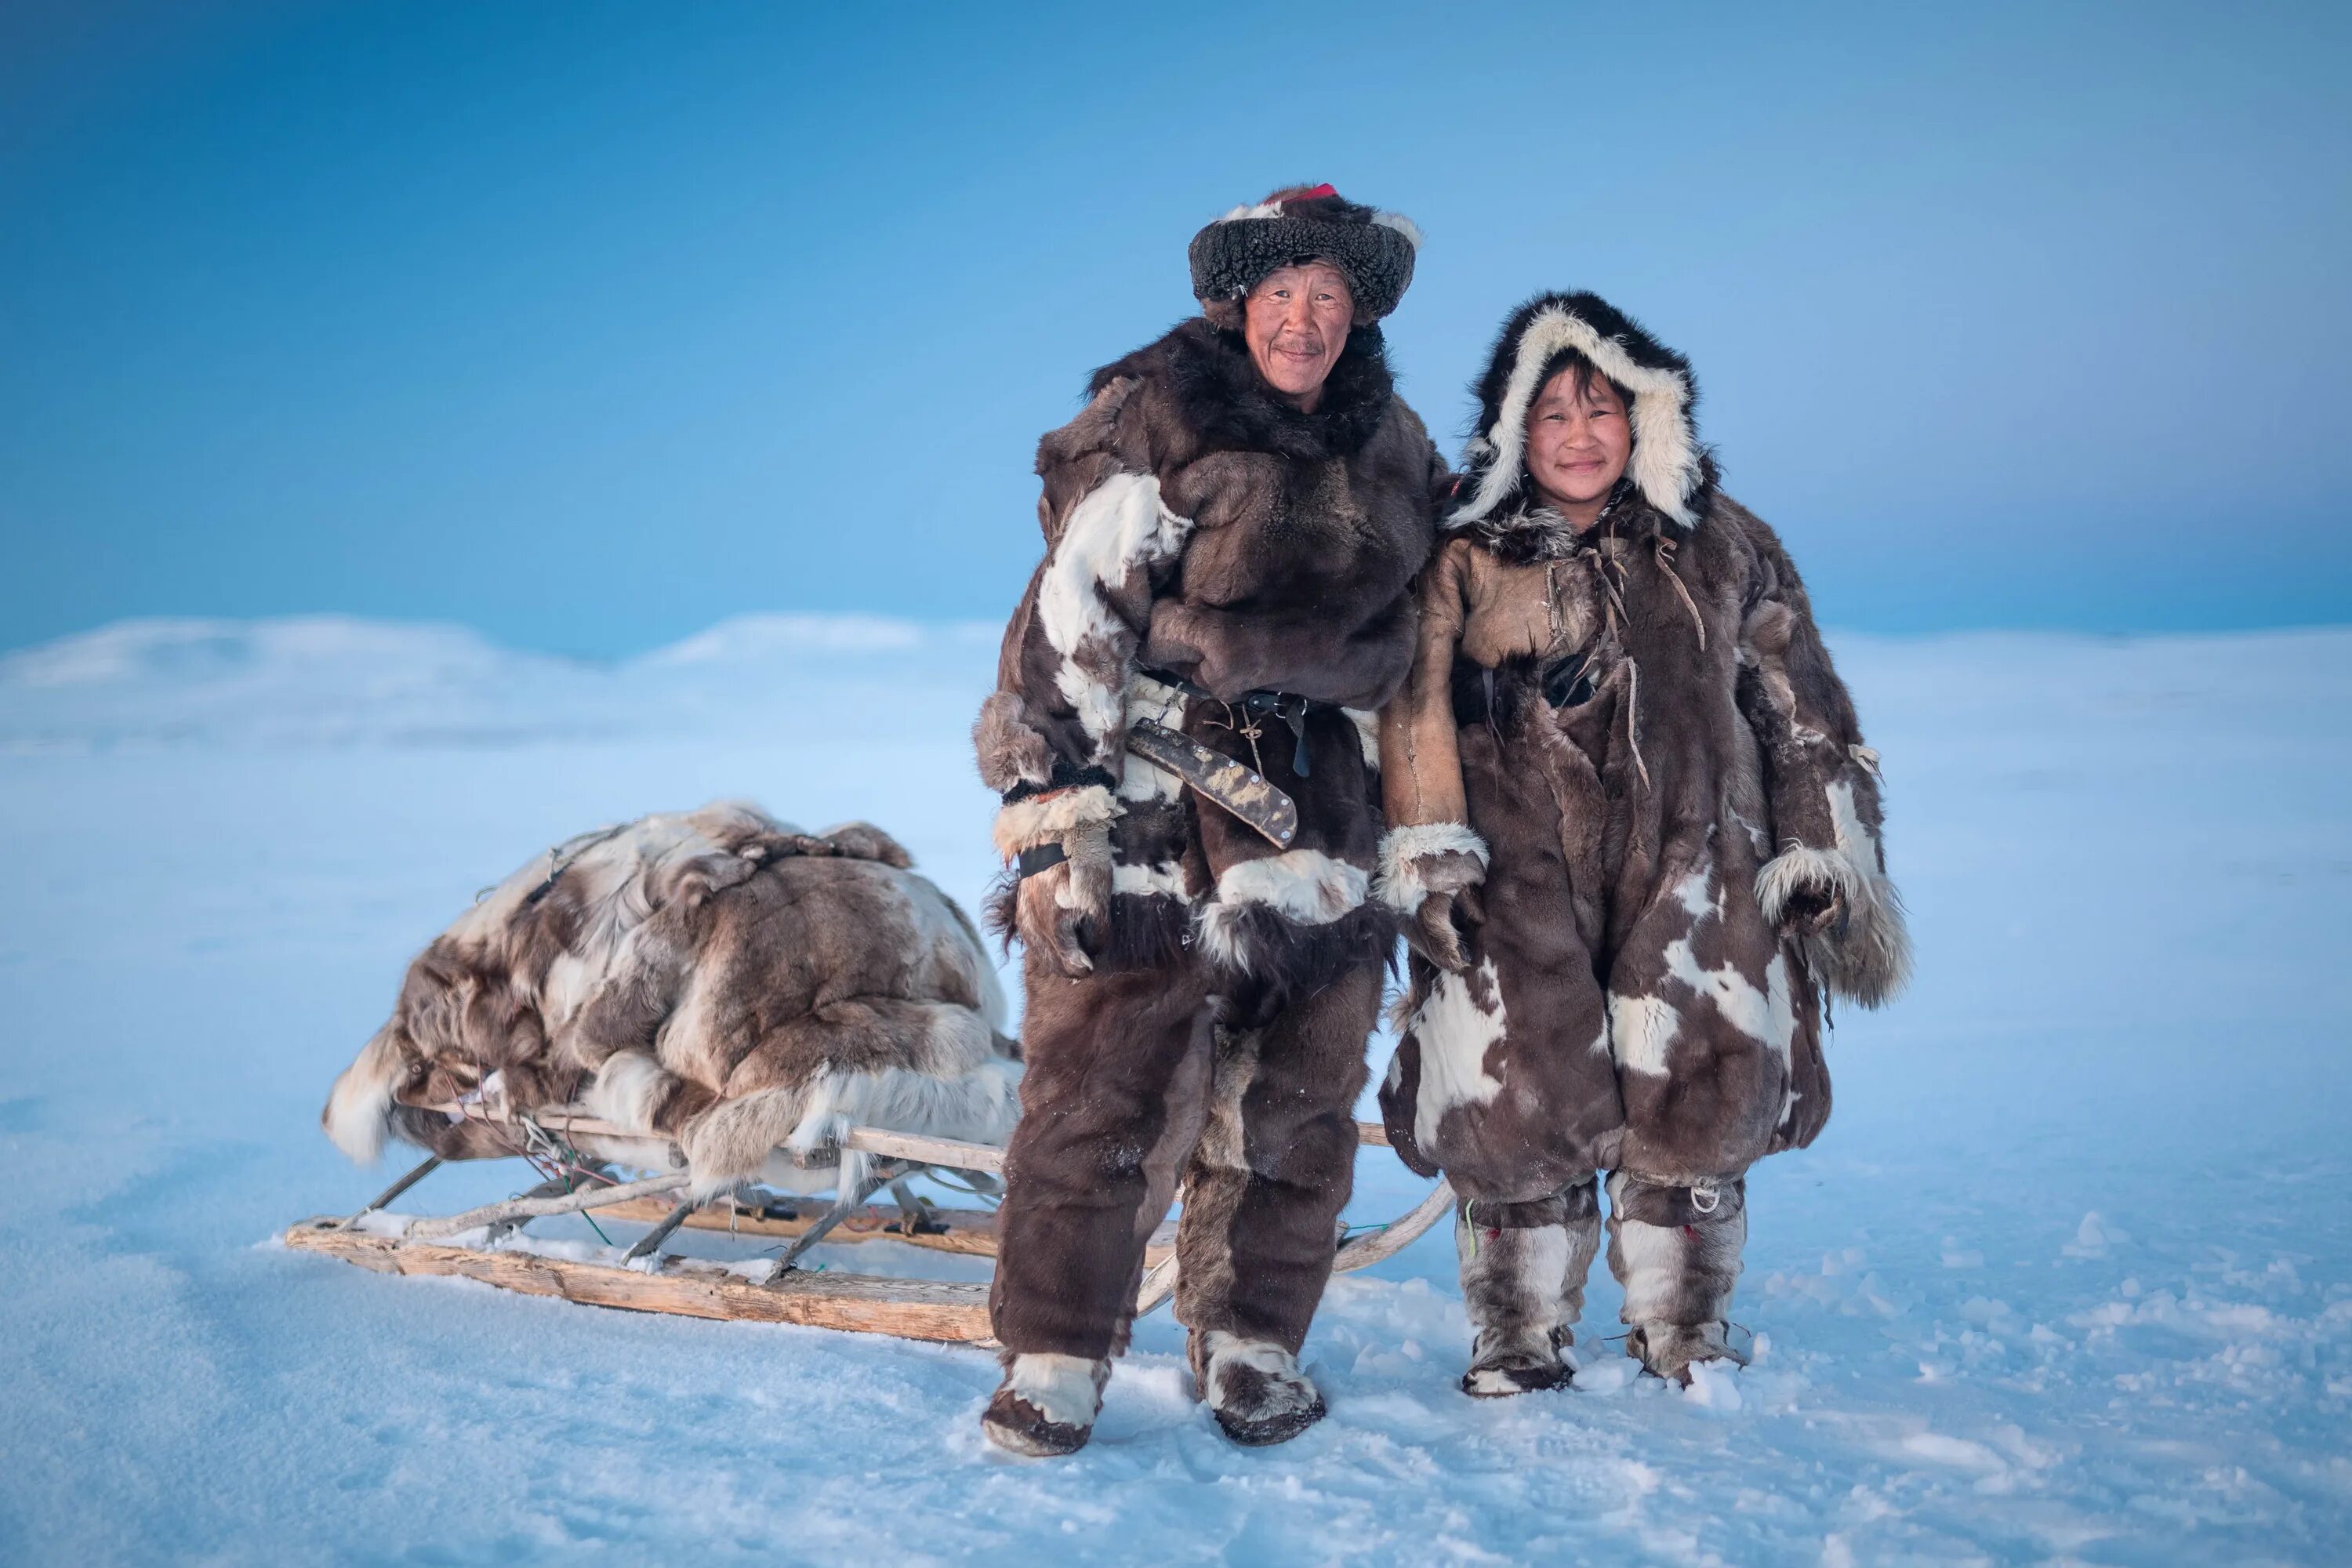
1815,911
1449,878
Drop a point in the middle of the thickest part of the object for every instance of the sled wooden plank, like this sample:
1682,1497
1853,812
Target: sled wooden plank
952,1152
947,1311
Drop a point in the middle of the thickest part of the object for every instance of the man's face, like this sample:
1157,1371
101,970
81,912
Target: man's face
1296,322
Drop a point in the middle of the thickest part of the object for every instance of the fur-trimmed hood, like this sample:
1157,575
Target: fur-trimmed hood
1669,469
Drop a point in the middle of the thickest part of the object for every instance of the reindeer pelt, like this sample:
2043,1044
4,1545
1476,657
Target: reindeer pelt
718,981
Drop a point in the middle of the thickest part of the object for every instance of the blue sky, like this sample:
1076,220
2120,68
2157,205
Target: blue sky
589,324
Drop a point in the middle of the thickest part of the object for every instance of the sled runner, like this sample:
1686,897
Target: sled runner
480,1243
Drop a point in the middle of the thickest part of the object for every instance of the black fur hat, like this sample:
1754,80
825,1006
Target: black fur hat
1374,249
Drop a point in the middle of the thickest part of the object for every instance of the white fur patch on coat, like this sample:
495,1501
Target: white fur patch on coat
1165,880
1641,1031
1117,530
1302,885
1455,1029
1664,466
1050,818
1161,703
1767,1015
1398,881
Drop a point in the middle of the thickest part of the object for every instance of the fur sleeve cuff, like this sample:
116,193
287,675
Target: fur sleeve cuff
1867,959
1049,819
1400,882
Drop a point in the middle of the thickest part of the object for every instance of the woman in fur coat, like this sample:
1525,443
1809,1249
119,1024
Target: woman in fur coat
1635,830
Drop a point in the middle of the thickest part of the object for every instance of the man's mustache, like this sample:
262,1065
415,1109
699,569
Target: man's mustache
1300,342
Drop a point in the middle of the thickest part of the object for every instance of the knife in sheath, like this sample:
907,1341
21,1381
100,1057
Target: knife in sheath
1217,777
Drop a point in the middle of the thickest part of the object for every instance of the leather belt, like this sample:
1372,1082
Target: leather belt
1287,706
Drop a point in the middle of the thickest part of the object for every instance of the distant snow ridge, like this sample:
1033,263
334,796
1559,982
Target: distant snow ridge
339,680
763,639
187,651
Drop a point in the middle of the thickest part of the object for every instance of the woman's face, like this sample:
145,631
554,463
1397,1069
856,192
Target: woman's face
1578,443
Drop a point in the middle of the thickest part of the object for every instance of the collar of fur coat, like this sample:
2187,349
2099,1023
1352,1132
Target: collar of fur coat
1525,533
1220,396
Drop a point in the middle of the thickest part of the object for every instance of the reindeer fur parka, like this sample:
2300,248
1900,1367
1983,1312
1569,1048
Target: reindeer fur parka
1198,526
1639,730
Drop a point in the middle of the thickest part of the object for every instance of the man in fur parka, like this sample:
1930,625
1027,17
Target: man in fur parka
1636,832
1184,734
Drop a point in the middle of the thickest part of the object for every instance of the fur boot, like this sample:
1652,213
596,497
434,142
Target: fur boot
1253,1388
1046,1404
1676,1252
1523,1288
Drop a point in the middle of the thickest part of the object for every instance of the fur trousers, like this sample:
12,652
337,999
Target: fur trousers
1140,1080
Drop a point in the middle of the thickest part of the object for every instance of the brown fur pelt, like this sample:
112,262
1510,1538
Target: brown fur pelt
717,982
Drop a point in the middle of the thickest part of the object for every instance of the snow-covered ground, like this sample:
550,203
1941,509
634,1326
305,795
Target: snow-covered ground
2066,1280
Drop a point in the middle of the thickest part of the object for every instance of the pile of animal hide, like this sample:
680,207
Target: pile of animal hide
715,982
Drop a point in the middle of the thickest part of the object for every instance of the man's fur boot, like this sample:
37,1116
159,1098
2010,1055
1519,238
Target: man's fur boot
1046,1404
1253,1388
1523,1288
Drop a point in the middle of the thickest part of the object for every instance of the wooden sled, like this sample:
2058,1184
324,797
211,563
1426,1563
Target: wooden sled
651,1281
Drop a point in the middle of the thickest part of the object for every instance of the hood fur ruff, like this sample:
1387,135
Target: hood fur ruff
1668,468
717,982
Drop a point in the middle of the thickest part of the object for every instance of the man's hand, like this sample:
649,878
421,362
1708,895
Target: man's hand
1054,904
